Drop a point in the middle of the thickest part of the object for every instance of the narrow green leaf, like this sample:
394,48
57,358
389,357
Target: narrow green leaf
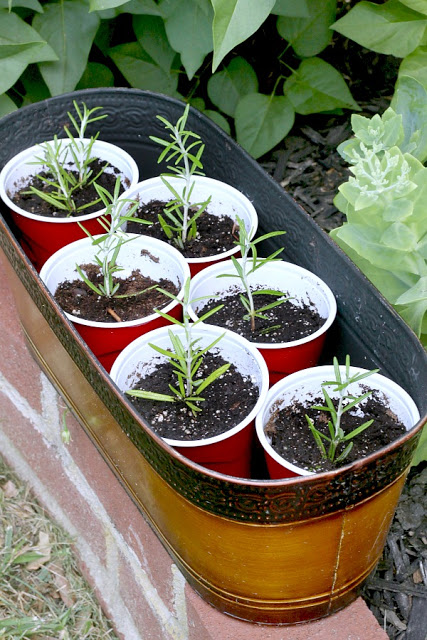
262,122
266,236
238,267
204,350
358,430
190,22
209,313
212,377
309,36
356,401
234,22
317,436
271,258
389,28
150,395
194,408
26,558
316,87
329,403
245,303
344,454
164,352
272,305
225,88
63,25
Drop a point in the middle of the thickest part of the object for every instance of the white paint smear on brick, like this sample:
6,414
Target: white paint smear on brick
48,425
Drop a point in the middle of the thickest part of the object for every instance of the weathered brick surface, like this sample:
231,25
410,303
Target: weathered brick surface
355,622
137,583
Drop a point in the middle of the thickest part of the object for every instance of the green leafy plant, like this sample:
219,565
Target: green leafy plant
186,357
346,401
60,179
249,264
185,148
392,28
110,243
384,202
195,50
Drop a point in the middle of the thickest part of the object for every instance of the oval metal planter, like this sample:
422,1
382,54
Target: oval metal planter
280,551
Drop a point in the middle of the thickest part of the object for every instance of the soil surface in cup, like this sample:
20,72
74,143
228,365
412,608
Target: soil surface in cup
227,401
215,234
285,322
142,298
82,196
292,439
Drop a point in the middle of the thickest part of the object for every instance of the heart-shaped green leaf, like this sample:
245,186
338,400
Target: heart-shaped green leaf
262,122
317,86
226,87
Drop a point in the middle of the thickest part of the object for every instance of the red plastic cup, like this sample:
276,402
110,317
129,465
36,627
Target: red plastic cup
152,257
225,200
282,358
229,452
41,236
306,385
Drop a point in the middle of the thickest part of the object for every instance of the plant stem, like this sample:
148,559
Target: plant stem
187,178
246,285
188,349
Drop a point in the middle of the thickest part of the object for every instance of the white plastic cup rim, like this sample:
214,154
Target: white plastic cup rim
310,379
114,154
310,278
152,244
120,368
150,185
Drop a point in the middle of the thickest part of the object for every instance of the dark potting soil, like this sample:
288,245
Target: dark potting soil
292,439
33,203
228,400
286,322
215,234
78,299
